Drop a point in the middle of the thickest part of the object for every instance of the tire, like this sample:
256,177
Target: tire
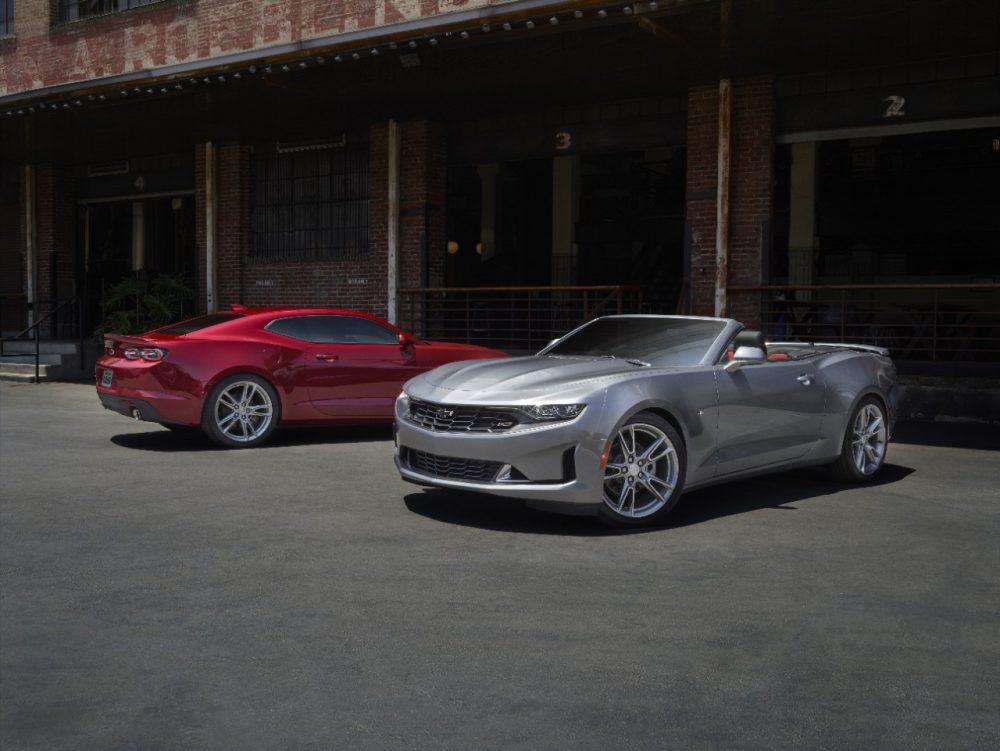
241,411
644,474
862,454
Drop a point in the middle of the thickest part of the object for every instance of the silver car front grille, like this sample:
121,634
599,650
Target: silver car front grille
448,418
452,468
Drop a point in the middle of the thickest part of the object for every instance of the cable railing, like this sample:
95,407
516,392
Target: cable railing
514,319
926,322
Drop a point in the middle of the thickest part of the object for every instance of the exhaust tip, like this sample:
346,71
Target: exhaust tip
136,414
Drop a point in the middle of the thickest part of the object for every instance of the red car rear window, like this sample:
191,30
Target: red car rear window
197,324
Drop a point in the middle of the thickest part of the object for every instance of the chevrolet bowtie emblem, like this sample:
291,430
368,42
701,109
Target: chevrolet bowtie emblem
444,414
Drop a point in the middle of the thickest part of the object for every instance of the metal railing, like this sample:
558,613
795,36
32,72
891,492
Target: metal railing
51,319
931,322
509,318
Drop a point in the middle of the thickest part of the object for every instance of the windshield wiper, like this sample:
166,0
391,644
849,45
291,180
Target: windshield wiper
629,360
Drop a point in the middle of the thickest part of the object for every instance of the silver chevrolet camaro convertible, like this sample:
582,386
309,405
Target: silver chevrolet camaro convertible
623,414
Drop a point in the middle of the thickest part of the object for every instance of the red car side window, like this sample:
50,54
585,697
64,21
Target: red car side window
321,329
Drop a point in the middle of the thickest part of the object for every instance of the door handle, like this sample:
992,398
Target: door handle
805,379
326,357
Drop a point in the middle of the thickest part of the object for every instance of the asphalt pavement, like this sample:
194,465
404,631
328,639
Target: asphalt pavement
159,593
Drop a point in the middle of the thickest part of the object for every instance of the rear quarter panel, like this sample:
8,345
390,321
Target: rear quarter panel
850,377
204,362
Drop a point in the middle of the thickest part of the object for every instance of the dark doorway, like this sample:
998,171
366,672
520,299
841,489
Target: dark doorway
898,208
627,228
631,228
519,253
109,238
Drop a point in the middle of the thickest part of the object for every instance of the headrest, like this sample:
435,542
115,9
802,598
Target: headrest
748,338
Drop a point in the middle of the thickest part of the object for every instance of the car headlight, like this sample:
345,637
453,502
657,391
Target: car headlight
403,403
553,412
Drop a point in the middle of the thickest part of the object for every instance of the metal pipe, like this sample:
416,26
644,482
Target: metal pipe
392,231
210,189
30,241
722,197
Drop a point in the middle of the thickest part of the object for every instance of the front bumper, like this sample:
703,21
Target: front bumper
555,467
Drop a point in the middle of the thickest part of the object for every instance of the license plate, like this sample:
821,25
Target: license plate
107,377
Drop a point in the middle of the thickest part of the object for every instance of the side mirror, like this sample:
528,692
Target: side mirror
406,341
745,356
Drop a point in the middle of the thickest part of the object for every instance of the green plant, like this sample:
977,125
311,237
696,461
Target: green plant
135,305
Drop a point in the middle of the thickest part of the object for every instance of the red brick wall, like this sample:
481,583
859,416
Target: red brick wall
352,283
750,197
55,232
423,171
702,140
43,53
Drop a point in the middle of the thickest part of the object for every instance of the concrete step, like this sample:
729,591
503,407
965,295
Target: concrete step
42,358
59,360
25,372
47,371
49,347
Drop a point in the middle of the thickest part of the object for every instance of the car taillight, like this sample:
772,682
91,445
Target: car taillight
152,354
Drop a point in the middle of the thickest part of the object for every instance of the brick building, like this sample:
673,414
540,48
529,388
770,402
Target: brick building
371,154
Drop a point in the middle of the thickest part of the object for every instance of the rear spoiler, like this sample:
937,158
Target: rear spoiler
833,345
133,339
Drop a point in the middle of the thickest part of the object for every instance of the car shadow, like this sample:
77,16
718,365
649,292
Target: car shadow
779,491
172,441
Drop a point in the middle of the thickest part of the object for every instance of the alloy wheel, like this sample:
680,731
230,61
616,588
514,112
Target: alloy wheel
868,439
243,411
642,471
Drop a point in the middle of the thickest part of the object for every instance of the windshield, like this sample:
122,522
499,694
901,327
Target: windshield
196,324
656,341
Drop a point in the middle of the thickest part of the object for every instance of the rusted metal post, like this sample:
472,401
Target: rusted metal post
843,314
724,162
210,227
934,328
392,230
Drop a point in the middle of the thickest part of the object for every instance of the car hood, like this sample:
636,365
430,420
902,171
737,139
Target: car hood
521,380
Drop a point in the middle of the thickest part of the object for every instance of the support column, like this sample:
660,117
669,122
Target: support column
565,214
30,242
488,174
722,198
138,237
392,222
210,219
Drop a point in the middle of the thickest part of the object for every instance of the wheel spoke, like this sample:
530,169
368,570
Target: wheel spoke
623,495
647,454
629,446
649,486
650,479
614,470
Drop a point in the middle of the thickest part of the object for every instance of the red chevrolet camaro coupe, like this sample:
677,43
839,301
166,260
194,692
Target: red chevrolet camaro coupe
240,374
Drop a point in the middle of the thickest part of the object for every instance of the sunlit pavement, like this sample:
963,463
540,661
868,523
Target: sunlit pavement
159,593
